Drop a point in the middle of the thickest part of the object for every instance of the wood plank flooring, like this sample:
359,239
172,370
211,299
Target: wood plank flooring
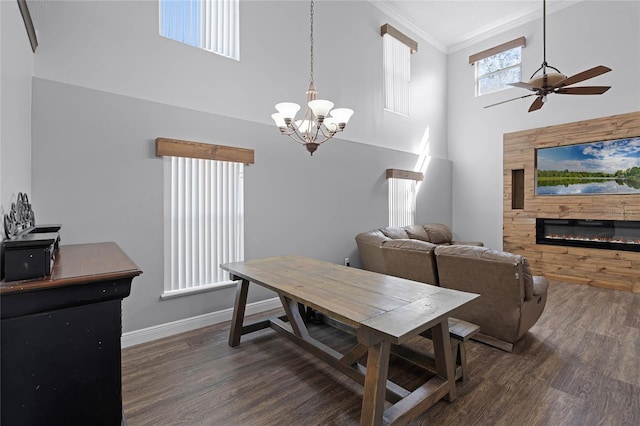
579,365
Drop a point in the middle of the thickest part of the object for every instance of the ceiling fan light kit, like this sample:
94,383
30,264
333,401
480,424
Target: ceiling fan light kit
556,82
552,79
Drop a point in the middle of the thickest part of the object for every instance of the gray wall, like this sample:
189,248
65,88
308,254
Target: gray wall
96,173
16,68
106,85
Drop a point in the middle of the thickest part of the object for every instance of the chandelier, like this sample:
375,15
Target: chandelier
316,125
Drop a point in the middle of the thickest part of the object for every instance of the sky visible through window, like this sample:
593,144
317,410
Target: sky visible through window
212,25
180,21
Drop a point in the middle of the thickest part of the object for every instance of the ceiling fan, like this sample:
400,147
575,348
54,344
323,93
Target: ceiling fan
556,82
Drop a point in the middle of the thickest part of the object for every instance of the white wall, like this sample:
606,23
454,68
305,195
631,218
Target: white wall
106,85
16,68
579,37
114,46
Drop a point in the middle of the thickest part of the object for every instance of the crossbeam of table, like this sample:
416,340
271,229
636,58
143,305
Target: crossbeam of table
336,359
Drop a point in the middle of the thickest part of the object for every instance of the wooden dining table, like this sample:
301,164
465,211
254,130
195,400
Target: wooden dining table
381,310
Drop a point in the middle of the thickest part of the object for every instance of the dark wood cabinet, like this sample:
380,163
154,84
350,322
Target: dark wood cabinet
60,340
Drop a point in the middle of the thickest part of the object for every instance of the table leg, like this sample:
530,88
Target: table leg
375,384
291,308
238,312
444,359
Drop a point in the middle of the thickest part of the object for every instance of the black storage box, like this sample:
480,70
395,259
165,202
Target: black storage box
29,255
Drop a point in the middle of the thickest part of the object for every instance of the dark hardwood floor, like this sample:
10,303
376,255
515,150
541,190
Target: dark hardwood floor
579,365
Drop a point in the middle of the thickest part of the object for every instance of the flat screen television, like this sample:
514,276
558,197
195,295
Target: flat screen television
604,167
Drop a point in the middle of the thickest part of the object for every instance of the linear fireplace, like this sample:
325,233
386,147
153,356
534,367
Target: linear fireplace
600,234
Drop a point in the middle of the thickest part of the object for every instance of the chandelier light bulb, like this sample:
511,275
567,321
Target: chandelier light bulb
342,115
320,108
279,119
288,110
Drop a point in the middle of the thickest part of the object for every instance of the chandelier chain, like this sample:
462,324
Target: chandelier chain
311,43
316,125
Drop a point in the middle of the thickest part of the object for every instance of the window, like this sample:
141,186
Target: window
403,186
497,67
397,50
204,215
208,24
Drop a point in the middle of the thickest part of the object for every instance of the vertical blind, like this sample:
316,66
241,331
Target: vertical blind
402,202
207,221
397,74
208,24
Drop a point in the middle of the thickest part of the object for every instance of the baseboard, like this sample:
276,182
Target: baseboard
148,334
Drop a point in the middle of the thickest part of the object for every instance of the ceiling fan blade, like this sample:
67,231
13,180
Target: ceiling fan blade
537,104
524,85
583,90
584,75
509,100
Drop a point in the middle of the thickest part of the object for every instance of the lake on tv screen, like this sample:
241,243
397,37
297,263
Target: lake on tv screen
588,186
605,167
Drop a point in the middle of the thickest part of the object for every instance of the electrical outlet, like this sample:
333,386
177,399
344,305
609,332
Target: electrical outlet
346,261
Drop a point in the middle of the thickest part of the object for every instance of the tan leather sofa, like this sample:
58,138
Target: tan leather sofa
511,299
405,252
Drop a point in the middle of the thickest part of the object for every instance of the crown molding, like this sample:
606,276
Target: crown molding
392,13
472,37
506,24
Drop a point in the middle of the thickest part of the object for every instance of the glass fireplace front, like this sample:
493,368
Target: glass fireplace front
601,234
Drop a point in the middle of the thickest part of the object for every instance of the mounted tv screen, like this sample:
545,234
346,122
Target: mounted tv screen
605,167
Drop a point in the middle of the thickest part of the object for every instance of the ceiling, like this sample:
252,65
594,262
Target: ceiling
451,25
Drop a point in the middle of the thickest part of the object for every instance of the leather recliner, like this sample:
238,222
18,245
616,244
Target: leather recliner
511,298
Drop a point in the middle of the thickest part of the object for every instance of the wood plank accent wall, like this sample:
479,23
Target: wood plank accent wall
601,268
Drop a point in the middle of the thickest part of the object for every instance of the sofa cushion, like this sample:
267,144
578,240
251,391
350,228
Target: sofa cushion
417,232
394,233
438,233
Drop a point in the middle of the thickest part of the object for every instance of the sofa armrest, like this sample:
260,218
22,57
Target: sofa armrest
540,285
369,244
468,243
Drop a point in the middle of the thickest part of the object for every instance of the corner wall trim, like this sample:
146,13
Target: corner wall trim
155,332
